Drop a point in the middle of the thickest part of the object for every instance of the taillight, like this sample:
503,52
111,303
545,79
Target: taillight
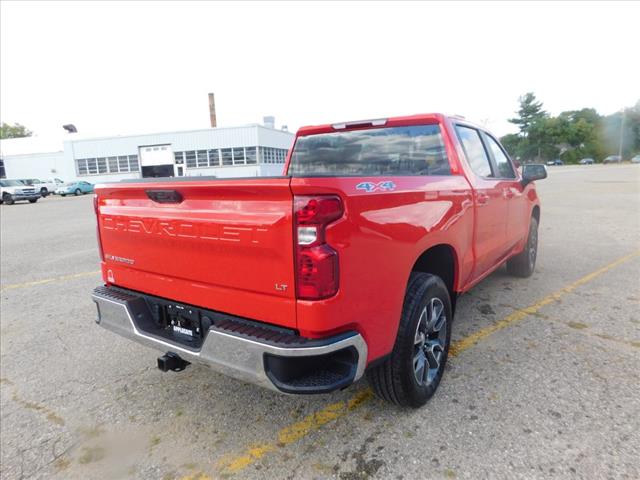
97,210
317,271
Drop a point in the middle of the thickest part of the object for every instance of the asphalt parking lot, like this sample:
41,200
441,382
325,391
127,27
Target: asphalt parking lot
544,381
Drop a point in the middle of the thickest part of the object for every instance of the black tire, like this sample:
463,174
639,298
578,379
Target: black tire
63,194
6,198
77,192
33,200
44,192
396,380
523,264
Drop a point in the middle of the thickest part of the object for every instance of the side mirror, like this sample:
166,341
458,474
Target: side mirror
532,172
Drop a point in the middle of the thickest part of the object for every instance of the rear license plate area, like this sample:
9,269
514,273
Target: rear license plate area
180,323
182,320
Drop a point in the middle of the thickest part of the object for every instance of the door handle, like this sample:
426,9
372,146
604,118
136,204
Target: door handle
164,196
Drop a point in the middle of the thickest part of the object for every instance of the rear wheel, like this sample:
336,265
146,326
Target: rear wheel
33,200
523,264
6,198
412,373
77,192
44,192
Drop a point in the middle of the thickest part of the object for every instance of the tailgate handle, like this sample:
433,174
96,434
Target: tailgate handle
164,196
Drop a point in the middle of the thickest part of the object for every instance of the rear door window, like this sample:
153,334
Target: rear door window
410,150
474,151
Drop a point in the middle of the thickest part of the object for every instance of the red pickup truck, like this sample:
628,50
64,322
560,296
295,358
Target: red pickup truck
349,263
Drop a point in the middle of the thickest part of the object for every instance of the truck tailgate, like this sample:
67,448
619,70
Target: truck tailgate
224,245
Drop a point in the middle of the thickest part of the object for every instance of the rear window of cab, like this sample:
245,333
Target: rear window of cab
403,151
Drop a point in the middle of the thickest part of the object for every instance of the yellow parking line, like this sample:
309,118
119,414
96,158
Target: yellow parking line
49,280
295,432
470,340
315,421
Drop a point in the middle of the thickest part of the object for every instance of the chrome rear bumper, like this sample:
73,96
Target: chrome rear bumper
235,353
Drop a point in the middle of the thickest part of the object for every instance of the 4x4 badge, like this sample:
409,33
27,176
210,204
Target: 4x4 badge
386,186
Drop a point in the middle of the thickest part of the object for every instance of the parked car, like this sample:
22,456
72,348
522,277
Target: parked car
635,159
75,188
586,161
351,261
12,191
612,159
557,161
44,187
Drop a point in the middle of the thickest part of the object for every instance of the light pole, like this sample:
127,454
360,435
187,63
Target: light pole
621,136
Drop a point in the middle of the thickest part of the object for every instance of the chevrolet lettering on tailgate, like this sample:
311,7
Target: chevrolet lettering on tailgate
183,229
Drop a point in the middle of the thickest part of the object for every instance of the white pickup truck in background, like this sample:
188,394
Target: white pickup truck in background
44,187
12,191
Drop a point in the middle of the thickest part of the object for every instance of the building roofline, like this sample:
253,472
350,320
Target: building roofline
111,137
6,155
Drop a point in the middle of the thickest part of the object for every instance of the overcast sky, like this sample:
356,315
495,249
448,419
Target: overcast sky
119,68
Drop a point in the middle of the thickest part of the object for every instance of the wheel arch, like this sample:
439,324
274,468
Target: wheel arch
535,213
440,260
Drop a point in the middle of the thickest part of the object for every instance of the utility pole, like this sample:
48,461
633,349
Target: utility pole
621,135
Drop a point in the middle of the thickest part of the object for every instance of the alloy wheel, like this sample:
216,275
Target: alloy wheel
429,342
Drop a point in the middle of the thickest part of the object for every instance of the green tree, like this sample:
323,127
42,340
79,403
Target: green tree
14,131
583,136
511,142
529,113
572,135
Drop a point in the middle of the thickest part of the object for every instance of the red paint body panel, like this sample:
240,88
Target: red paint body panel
229,245
379,239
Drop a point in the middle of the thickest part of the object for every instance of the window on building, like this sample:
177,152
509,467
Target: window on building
113,164
238,156
227,156
203,161
81,164
123,163
179,156
214,158
133,163
92,166
266,155
102,165
95,166
250,155
190,158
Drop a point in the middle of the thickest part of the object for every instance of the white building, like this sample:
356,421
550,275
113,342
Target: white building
252,150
